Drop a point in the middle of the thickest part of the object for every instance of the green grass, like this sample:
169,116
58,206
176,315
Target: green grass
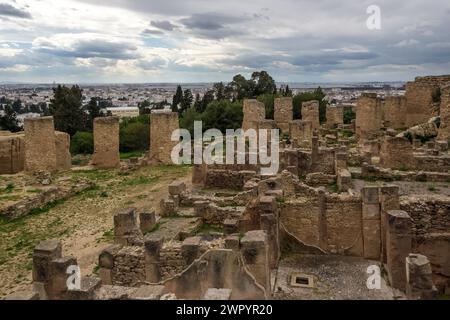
10,198
156,227
139,180
8,189
34,190
108,236
332,188
133,154
208,228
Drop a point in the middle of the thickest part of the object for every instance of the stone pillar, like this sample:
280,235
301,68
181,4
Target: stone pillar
190,249
57,289
153,245
254,111
256,257
302,132
268,221
12,154
389,200
162,125
126,231
43,254
397,153
335,116
283,113
444,129
106,263
419,281
371,223
394,112
199,174
368,116
147,220
419,99
63,157
344,180
106,143
310,112
40,145
398,246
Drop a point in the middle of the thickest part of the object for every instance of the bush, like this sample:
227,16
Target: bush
82,142
134,134
223,115
349,115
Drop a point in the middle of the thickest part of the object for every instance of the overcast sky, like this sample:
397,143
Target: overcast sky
206,40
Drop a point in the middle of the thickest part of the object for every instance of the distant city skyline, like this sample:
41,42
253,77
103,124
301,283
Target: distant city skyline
199,41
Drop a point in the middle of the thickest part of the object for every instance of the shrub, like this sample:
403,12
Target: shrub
134,134
82,143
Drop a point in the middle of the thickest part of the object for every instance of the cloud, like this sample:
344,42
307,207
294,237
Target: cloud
163,24
10,11
152,32
85,46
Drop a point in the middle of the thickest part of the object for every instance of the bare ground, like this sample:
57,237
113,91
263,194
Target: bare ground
84,222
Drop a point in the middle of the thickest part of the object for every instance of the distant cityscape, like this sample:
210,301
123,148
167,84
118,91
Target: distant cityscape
32,99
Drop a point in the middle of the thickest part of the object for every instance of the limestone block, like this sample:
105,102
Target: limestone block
190,249
43,254
419,281
106,143
40,145
147,220
217,294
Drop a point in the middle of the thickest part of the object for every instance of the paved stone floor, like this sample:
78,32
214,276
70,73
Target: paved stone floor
335,278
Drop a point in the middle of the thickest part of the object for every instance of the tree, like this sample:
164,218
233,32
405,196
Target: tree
223,115
241,87
95,109
134,134
197,102
82,142
263,83
318,95
177,98
187,100
66,109
8,121
144,107
208,97
219,90
187,121
17,106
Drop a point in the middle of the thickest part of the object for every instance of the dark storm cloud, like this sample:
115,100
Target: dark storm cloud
163,24
10,11
213,25
93,48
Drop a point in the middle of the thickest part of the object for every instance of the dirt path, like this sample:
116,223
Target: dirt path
84,223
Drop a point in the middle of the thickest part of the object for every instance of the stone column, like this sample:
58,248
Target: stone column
40,145
254,111
398,246
389,200
283,113
256,257
152,246
371,222
106,143
162,125
310,112
43,254
106,263
147,220
58,277
63,157
419,281
126,231
190,249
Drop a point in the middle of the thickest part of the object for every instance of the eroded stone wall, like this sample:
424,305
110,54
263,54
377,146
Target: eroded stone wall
394,112
12,153
300,132
397,153
444,129
63,157
368,116
335,116
254,112
40,144
162,125
283,113
106,143
310,112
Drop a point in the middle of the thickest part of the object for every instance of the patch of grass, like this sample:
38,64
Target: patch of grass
46,208
433,189
108,236
128,155
95,269
140,180
208,228
10,198
8,189
34,190
332,188
156,227
94,175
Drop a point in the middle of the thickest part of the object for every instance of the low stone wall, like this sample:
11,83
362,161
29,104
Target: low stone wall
23,207
228,179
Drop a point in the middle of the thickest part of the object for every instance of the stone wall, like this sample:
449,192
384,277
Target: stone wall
419,101
162,125
310,112
254,111
63,157
300,132
394,112
444,129
12,153
335,116
106,143
396,153
283,113
40,144
368,116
